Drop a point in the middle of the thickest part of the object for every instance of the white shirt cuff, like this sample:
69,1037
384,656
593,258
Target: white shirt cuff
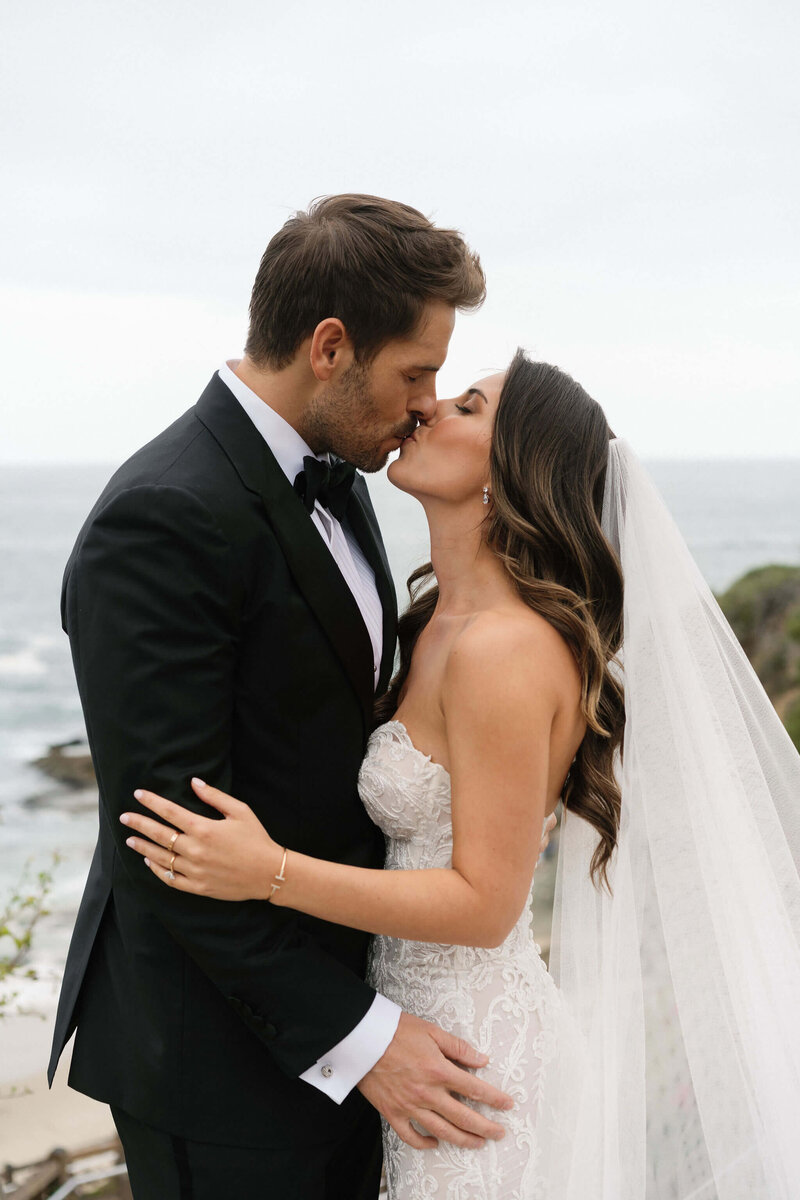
338,1071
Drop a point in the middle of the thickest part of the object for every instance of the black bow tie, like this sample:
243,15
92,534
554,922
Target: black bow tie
328,485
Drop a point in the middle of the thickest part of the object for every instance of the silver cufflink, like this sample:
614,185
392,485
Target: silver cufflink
327,1071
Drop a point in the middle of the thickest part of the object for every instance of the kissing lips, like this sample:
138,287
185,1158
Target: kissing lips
407,435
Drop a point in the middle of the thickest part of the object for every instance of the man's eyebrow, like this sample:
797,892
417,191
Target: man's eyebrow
421,369
476,392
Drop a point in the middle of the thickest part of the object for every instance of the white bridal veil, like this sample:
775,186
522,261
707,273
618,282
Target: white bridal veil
685,984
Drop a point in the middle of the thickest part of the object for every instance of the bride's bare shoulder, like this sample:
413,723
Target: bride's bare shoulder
515,648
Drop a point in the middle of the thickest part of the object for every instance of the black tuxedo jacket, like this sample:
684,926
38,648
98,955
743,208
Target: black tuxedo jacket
213,634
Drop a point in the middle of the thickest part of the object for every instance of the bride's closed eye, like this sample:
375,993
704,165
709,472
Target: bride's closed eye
470,395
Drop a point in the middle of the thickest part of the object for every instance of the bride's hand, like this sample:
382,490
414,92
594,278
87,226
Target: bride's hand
231,859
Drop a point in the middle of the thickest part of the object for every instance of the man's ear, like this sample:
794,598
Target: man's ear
331,350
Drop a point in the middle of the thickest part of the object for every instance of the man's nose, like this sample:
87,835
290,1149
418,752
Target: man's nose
423,407
439,408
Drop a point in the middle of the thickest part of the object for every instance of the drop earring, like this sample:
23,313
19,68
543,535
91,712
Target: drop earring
486,495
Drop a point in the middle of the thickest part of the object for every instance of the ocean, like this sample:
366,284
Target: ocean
734,516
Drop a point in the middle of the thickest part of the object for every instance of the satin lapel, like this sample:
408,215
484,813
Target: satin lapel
364,523
313,567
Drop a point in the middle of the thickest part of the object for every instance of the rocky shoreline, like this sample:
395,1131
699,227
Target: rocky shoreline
69,766
69,763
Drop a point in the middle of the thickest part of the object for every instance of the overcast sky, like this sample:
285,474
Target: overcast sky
628,172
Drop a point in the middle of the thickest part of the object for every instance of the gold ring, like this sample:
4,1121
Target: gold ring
173,840
171,864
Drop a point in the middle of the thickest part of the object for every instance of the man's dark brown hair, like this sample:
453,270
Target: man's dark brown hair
372,263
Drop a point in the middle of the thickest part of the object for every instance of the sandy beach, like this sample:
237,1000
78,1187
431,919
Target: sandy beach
35,1120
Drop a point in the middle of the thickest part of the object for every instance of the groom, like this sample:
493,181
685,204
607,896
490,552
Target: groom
231,615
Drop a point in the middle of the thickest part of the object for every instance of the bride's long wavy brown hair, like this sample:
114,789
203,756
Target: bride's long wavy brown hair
548,462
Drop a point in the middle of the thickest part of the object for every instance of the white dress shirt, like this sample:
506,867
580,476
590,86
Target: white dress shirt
338,1071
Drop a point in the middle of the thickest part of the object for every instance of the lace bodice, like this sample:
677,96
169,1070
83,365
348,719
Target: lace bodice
407,795
502,1000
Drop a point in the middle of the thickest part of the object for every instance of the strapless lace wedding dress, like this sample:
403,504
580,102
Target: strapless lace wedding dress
503,1001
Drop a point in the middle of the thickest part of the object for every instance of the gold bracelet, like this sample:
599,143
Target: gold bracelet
276,887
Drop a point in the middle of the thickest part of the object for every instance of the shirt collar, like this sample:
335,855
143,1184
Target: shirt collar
283,439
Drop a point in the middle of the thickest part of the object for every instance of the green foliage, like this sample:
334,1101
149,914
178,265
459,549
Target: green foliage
793,624
792,722
763,608
23,911
758,597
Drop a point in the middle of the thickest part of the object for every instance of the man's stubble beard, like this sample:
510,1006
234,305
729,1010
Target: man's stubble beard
344,419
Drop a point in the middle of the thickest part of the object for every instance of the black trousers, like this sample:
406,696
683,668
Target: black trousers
162,1166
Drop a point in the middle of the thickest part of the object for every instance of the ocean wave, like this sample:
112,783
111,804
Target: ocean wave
23,665
29,661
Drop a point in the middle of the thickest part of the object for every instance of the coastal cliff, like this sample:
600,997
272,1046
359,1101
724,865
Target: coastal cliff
763,608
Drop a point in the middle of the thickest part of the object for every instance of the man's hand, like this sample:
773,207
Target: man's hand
417,1078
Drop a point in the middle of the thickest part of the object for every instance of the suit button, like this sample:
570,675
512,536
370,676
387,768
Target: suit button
327,1071
269,1030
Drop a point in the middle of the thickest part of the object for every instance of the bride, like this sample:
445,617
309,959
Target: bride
661,1058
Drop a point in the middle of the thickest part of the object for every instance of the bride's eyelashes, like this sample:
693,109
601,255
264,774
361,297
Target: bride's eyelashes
463,408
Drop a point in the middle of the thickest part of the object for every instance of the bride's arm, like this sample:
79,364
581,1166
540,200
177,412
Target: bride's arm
500,697
498,711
